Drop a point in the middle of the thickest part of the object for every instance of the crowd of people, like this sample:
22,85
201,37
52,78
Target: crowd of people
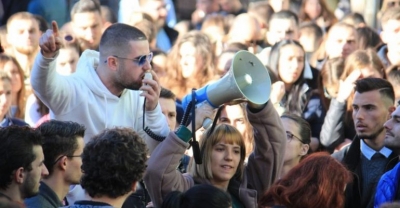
91,104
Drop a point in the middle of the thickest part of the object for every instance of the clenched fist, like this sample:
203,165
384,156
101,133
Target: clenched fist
50,42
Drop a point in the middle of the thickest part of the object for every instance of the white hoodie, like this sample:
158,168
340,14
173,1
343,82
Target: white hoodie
83,98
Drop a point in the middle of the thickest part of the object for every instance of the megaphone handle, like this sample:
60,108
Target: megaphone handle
207,123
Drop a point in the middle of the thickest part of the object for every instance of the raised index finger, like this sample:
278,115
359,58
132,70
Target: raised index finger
55,28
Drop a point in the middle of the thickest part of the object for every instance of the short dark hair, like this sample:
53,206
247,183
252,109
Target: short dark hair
393,75
43,25
16,147
203,195
354,19
59,138
112,161
311,28
368,38
166,93
108,14
115,39
304,126
83,6
370,84
285,14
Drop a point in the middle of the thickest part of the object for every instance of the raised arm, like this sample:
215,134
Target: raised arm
265,163
53,89
161,176
332,132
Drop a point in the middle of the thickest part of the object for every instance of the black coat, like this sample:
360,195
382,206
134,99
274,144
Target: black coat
350,157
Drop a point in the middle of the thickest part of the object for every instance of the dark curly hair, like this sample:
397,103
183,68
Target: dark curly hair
112,162
16,151
60,138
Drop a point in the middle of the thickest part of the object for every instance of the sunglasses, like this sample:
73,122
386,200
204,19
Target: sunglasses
140,60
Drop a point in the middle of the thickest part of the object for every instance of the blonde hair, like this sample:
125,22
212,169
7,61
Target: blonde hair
357,60
21,98
20,16
361,59
222,132
174,79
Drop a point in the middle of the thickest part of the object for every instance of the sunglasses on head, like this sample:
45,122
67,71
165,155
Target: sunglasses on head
140,60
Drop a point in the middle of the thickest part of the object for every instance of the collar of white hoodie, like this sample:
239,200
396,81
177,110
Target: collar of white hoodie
86,69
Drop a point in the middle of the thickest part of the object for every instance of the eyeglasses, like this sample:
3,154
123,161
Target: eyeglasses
65,156
140,60
290,136
73,155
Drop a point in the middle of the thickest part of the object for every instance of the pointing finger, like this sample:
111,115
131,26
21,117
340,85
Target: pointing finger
55,28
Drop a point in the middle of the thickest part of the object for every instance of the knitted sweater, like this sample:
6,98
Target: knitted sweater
371,171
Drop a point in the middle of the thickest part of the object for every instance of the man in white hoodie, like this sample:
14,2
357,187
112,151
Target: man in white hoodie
108,89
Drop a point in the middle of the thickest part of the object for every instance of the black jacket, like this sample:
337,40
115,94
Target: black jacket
350,157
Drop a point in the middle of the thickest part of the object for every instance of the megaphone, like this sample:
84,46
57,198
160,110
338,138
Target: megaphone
247,79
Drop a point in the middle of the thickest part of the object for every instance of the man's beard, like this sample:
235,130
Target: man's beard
27,50
125,84
371,136
29,187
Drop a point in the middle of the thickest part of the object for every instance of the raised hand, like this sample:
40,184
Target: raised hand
277,92
50,42
346,86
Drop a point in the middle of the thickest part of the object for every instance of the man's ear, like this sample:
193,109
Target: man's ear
62,163
304,149
19,175
112,63
391,109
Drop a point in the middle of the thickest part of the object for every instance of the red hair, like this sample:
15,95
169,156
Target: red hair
317,181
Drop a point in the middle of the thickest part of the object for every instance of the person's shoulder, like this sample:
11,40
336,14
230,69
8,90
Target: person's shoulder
36,201
341,154
18,122
393,175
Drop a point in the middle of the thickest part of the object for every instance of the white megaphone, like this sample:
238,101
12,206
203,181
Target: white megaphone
246,79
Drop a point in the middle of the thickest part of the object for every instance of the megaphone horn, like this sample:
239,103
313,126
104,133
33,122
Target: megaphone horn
247,79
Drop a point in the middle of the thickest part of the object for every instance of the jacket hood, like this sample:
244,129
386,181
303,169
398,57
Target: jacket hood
86,70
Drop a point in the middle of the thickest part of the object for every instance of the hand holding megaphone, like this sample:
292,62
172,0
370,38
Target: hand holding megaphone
204,115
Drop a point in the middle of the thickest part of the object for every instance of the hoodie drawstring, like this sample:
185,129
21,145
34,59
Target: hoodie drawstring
105,115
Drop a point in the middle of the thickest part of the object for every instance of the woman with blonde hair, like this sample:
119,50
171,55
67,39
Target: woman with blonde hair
190,64
338,125
222,150
10,65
